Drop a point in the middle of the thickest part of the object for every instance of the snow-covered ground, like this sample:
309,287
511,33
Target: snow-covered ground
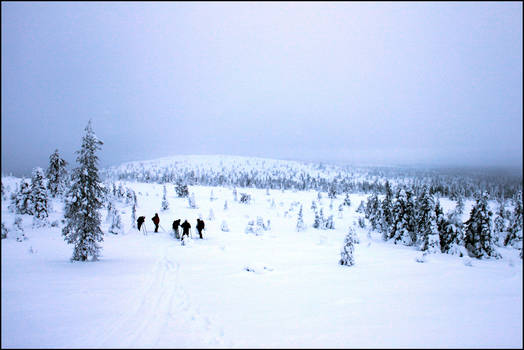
280,288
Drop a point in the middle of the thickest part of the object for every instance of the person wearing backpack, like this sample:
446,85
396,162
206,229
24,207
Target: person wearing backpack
200,226
156,221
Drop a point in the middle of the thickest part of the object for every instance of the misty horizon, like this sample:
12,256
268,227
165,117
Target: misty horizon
385,84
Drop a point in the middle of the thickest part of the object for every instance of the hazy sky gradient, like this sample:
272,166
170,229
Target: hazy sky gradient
409,83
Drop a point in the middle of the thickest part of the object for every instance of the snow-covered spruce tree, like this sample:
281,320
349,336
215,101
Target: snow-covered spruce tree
317,223
452,238
500,223
19,229
133,215
330,223
245,198
116,222
361,222
460,205
83,201
191,201
346,255
165,203
22,201
427,223
235,194
332,191
347,201
441,218
322,220
39,198
361,208
225,205
353,233
403,215
56,174
301,226
372,211
109,214
181,189
514,236
386,219
211,216
478,233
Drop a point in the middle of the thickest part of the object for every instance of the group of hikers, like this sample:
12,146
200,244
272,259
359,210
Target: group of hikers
176,224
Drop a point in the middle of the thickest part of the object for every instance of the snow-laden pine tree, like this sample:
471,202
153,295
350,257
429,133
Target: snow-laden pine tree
403,215
21,200
353,233
346,255
361,208
133,215
39,198
514,236
347,201
452,237
181,189
109,213
165,203
191,201
116,222
500,223
56,175
301,226
373,211
19,229
330,223
211,216
83,201
386,219
427,223
332,191
478,233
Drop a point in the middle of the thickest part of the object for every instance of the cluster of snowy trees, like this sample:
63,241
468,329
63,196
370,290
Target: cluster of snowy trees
33,195
413,216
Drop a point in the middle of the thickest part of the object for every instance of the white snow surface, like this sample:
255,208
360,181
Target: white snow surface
279,288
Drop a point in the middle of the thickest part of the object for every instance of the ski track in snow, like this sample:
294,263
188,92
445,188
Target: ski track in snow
161,314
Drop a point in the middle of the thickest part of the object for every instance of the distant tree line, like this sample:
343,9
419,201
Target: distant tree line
331,179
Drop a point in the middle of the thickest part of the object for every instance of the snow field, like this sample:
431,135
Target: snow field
280,288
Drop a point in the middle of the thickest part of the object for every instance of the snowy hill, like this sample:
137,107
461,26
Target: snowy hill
251,286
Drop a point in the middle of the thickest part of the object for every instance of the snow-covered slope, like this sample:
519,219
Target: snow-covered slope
277,288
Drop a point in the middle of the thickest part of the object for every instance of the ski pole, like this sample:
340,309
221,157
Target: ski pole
163,229
145,230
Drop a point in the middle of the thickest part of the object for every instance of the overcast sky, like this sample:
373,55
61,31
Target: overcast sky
385,83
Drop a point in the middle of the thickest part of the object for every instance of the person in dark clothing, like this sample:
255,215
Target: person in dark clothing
185,228
140,221
200,226
156,221
176,224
